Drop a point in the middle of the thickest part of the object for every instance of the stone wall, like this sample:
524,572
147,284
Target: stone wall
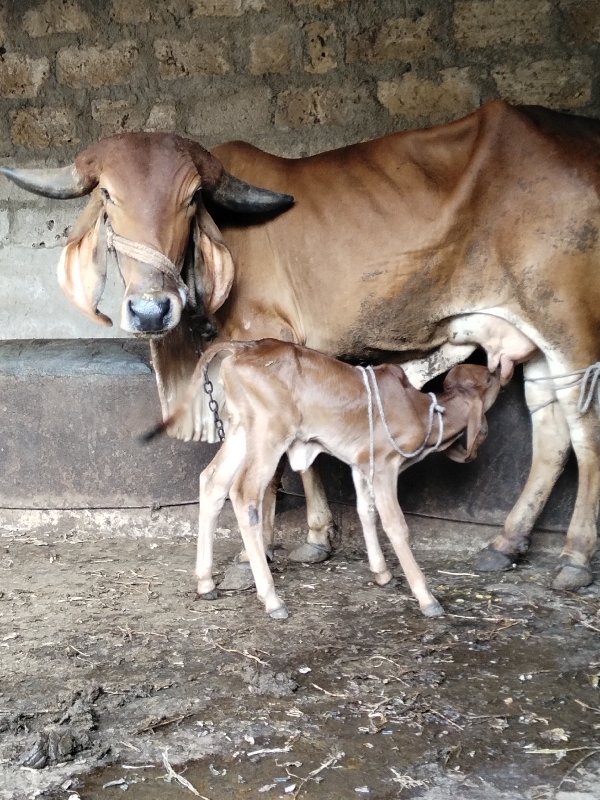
293,76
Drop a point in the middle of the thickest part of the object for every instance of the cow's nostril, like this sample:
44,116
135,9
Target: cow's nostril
149,315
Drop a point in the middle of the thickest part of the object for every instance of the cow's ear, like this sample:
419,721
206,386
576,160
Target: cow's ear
82,265
213,263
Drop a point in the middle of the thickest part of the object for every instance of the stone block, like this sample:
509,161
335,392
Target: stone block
83,67
421,100
134,12
580,21
558,83
485,23
180,59
22,76
321,47
221,115
272,52
44,127
397,39
318,105
206,8
162,117
118,116
319,5
55,16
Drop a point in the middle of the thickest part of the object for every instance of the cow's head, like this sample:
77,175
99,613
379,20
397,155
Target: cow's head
146,203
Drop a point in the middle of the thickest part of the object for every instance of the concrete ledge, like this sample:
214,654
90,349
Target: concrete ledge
71,413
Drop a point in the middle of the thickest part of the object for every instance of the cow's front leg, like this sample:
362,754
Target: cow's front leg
550,448
321,527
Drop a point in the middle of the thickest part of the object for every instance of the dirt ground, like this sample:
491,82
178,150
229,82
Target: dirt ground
113,677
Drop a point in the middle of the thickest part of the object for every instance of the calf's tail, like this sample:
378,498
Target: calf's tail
196,381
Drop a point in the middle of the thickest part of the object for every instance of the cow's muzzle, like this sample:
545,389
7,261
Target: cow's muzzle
150,314
149,311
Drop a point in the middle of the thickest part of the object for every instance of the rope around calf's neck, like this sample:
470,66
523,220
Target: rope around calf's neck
370,381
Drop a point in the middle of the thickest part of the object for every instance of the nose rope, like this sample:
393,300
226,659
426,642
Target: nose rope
147,255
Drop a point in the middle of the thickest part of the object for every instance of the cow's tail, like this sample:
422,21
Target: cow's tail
196,382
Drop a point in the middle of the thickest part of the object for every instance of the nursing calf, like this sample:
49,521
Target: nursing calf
283,398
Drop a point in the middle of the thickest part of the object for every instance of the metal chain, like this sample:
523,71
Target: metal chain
214,406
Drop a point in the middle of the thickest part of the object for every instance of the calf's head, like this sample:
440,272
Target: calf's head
146,203
478,388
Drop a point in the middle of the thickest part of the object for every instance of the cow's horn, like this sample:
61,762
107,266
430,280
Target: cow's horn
242,197
62,182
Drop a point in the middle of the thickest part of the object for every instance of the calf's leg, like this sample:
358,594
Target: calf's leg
396,529
247,496
366,513
215,482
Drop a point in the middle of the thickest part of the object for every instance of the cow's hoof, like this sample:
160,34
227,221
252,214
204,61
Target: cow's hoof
237,577
433,610
492,560
310,553
571,577
212,595
279,613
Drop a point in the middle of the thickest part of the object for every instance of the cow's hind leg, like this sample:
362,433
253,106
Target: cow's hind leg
321,527
574,566
550,448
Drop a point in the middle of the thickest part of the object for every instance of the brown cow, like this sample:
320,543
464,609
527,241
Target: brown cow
389,249
282,398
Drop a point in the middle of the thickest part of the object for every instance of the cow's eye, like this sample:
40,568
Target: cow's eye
105,194
194,198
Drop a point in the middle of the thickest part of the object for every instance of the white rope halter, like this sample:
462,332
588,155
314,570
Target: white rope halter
370,381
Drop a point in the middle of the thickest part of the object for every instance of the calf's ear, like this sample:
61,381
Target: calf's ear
476,432
213,263
82,265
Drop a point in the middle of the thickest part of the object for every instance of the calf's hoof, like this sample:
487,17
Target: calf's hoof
279,613
238,577
310,553
492,560
433,610
393,583
571,577
212,595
